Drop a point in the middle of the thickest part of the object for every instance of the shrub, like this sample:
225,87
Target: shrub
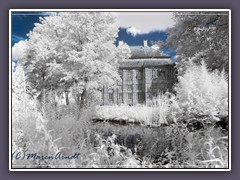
30,134
161,110
164,109
200,91
207,148
140,113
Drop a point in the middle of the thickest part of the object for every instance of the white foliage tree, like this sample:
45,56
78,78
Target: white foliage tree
200,36
74,48
22,108
18,93
29,130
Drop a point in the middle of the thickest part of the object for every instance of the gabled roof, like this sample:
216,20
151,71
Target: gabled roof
146,62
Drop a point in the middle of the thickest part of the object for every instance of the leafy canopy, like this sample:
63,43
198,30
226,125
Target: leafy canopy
74,48
200,36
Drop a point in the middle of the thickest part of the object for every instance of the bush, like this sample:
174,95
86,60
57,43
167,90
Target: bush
207,148
164,109
138,114
200,91
30,134
160,111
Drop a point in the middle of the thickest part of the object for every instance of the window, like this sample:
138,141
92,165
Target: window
170,73
110,90
120,73
154,74
110,97
120,87
120,96
140,87
110,94
129,75
129,87
140,97
130,96
139,75
162,73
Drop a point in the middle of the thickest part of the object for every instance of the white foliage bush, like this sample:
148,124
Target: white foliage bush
138,113
161,110
200,91
29,130
164,106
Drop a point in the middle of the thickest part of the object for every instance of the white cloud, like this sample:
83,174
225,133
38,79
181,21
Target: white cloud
17,38
155,47
49,13
18,50
133,31
145,22
13,65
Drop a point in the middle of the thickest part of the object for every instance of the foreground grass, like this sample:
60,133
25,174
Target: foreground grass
105,145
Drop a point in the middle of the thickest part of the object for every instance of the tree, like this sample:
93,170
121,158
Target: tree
19,96
200,36
74,48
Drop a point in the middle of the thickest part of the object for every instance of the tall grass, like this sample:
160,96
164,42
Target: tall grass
155,114
139,113
207,148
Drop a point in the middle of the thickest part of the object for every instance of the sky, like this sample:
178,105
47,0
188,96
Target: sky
145,22
134,27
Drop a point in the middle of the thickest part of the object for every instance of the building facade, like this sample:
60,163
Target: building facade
144,75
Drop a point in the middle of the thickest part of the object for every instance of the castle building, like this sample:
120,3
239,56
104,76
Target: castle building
144,75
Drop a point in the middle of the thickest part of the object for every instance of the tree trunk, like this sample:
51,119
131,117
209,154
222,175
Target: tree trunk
78,99
43,103
83,99
67,98
81,102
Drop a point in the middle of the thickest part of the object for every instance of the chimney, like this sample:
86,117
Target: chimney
120,43
145,43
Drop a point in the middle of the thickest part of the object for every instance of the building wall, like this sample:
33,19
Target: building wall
140,85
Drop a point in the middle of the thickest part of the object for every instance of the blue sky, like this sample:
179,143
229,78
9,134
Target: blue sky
134,27
137,40
22,24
